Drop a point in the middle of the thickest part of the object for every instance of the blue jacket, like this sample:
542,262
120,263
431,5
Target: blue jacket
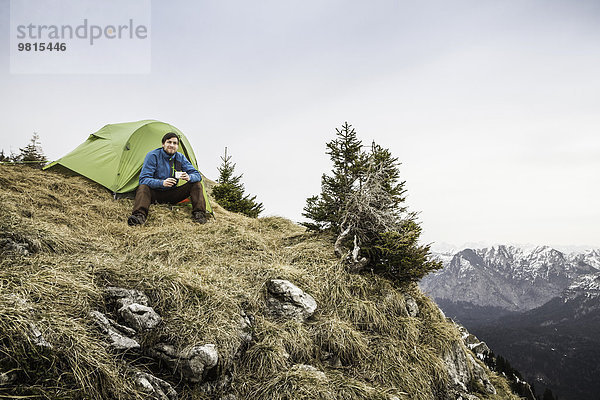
158,166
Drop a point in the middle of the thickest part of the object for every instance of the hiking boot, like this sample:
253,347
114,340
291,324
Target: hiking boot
136,219
199,217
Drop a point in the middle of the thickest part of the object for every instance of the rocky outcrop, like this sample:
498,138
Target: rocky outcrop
483,352
154,387
122,296
455,360
480,376
463,369
472,342
136,316
196,362
192,365
132,307
119,337
199,364
285,300
462,366
139,317
32,331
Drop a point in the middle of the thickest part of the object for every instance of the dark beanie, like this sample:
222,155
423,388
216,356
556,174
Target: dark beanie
169,136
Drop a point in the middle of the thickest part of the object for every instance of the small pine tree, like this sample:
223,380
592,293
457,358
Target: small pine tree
32,152
390,175
362,202
325,210
229,193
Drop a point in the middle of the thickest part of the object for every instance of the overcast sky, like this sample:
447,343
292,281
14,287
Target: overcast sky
491,106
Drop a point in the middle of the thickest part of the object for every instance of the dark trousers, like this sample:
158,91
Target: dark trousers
146,196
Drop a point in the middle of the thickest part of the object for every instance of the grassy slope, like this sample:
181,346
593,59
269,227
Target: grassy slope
198,278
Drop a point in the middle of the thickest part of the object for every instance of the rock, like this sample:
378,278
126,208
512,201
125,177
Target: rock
477,372
8,377
132,307
311,370
246,323
139,317
480,348
155,387
195,363
471,341
285,300
118,336
37,338
165,353
469,338
411,305
127,296
456,364
481,376
462,369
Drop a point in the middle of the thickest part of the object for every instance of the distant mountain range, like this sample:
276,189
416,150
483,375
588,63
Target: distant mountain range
539,308
508,277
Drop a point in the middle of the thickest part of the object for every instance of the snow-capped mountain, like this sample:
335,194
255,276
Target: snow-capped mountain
586,285
538,307
509,277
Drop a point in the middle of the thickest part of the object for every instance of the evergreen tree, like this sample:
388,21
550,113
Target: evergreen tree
229,193
363,203
348,161
32,152
390,175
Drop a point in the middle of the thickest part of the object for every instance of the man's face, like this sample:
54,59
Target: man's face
170,146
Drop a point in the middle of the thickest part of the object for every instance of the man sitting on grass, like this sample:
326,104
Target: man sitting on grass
158,182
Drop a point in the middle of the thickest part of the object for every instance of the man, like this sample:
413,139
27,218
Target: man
158,182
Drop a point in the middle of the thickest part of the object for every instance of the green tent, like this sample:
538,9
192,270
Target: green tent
114,155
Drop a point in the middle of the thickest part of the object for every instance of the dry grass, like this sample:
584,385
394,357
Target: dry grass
198,278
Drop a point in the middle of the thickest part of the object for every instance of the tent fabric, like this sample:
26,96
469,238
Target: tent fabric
114,155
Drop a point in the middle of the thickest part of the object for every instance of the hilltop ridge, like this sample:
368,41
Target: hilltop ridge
66,250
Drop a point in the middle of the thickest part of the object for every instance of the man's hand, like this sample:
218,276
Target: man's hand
170,182
185,176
